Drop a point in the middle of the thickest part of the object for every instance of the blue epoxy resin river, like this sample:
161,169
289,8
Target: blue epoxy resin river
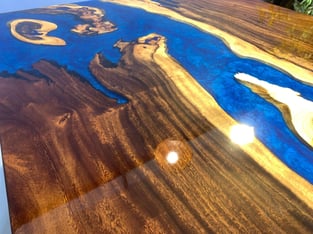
205,57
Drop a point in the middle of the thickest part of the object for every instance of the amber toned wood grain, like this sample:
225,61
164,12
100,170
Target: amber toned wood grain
76,162
276,30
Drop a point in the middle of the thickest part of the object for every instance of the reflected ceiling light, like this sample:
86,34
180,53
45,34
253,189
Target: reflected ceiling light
242,134
172,157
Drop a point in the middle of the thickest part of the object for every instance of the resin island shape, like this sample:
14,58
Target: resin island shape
35,31
94,18
297,111
87,163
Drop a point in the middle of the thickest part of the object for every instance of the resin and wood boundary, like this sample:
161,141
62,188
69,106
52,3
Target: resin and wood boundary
222,121
236,31
72,128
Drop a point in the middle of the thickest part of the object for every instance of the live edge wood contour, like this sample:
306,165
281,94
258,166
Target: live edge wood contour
78,162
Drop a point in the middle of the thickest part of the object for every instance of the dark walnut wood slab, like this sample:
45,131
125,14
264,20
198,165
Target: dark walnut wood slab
76,162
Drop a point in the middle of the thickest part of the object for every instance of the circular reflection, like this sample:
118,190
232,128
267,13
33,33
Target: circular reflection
173,154
172,157
242,134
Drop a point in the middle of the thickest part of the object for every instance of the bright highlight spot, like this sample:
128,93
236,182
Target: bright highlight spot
242,134
172,157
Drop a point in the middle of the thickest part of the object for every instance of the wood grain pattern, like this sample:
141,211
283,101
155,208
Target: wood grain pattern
260,30
276,30
76,162
79,141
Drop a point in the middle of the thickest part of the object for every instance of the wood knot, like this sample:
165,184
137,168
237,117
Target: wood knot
64,118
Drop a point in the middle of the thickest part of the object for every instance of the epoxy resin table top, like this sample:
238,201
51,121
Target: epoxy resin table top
138,116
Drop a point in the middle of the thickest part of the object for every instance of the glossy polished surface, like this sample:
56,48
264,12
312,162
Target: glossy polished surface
131,121
4,214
